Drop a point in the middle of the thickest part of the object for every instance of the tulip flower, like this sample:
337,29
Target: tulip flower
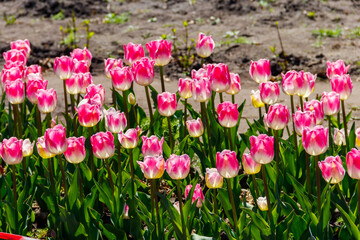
11,75
220,78
115,121
21,45
309,86
46,100
75,152
152,167
205,45
167,104
32,71
269,92
195,127
121,77
11,150
262,148
129,140
213,179
89,114
316,107
198,74
93,90
228,114
133,52
143,70
81,66
42,150
15,55
32,87
277,117
15,91
87,81
103,145
336,68
331,103
227,164
185,87
339,137
260,70
256,99
178,167
110,64
159,51
63,67
249,165
27,147
198,195
235,86
55,139
262,203
289,82
152,146
342,85
126,212
201,90
353,163
82,55
315,141
303,120
332,169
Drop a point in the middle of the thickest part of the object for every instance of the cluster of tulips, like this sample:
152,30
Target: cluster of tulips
99,190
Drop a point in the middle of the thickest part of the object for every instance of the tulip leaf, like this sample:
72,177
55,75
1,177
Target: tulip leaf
198,237
86,171
258,220
73,193
349,223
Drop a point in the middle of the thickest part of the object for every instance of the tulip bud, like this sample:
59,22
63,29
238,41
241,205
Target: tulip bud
213,179
89,114
63,67
198,195
260,70
331,103
15,91
357,133
228,114
353,163
227,164
159,51
152,167
133,52
115,121
249,165
316,107
342,85
177,206
167,104
82,55
152,146
32,87
235,86
103,144
336,68
129,139
27,147
269,92
277,117
110,64
126,212
201,90
195,127
55,139
185,87
46,100
256,99
315,141
262,203
121,78
131,99
262,148
339,137
205,45
75,152
178,167
42,150
333,169
303,120
143,71
11,150
21,45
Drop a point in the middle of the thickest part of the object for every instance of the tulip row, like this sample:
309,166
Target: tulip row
99,191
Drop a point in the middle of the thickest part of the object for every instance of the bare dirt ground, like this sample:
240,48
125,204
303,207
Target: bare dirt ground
252,26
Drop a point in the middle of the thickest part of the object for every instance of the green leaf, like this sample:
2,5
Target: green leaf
73,193
198,237
349,223
259,221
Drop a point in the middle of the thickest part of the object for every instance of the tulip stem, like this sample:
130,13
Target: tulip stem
340,193
149,104
358,192
231,196
48,120
119,167
72,98
91,156
221,97
162,78
80,182
113,95
63,176
204,116
125,106
66,107
318,193
14,189
266,193
260,113
202,150
293,124
213,103
266,108
185,116
301,103
16,122
153,182
110,175
345,124
153,189
308,179
170,135
38,121
277,152
24,167
330,137
230,140
214,201
255,187
202,61
51,173
233,98
135,117
184,231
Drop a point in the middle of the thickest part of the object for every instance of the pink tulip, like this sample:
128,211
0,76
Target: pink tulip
110,64
316,107
46,100
201,90
198,74
42,150
11,75
227,164
315,141
205,45
178,167
262,203
143,71
198,195
256,99
353,163
269,92
81,66
133,52
249,165
290,82
21,45
336,68
260,70
213,179
185,87
27,147
152,167
11,150
55,139
16,64
159,51
262,148
339,137
331,103
308,86
74,83
103,145
89,114
342,85
95,90
152,146
332,169
228,114
15,91
115,121
277,117
63,67
121,77
15,55
75,152
220,78
32,71
195,127
82,55
167,104
235,86
129,139
87,80
126,212
303,120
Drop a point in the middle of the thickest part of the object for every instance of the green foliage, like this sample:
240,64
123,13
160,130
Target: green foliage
9,19
117,18
59,16
324,32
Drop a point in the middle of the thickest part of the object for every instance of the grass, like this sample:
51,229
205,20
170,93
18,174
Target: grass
324,32
59,16
232,37
117,18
